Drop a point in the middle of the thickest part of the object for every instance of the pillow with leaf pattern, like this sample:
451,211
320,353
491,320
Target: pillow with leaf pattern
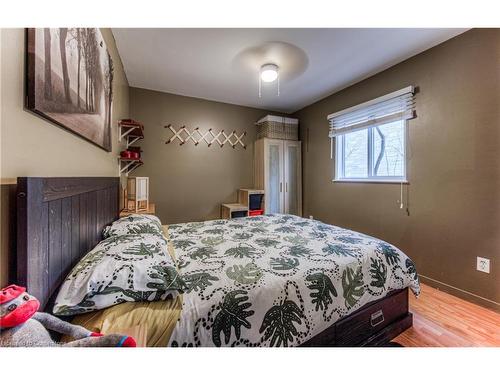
134,224
120,269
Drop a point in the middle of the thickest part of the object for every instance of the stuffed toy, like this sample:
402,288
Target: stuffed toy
22,325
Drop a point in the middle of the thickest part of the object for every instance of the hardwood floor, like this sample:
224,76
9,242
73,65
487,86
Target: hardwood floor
440,319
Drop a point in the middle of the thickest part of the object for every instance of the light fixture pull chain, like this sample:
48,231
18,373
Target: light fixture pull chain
278,84
260,86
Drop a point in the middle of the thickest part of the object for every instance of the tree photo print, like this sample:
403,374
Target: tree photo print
70,80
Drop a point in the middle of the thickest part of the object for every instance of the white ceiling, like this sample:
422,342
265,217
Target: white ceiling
217,64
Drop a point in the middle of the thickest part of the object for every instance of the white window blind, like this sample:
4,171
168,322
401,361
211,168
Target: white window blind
399,105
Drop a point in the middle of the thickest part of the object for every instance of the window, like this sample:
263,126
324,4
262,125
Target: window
376,153
370,138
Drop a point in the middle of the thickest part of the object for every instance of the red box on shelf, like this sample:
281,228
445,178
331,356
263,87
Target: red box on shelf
125,154
255,212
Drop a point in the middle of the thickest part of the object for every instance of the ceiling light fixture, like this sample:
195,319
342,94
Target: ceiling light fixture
269,73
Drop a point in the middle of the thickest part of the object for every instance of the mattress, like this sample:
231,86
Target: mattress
156,319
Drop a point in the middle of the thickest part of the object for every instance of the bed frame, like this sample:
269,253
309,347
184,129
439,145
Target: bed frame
60,219
375,324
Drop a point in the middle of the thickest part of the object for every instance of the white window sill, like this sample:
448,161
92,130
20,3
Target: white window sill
370,181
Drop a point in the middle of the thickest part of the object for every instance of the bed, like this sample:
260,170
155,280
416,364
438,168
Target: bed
274,280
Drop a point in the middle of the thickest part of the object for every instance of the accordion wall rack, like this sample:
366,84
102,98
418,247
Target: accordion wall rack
209,137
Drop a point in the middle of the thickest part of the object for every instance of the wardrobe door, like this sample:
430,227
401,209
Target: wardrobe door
274,171
293,178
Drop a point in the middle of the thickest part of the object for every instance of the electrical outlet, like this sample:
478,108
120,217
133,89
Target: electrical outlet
483,264
311,217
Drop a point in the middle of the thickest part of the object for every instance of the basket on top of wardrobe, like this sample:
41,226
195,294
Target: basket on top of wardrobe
278,127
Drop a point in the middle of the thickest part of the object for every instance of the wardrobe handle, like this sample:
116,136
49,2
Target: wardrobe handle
281,187
286,187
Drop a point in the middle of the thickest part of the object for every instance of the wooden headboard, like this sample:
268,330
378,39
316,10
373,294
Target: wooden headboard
58,221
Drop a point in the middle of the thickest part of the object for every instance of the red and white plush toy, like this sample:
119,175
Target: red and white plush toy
22,325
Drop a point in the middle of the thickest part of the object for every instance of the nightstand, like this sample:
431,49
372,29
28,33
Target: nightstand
233,210
150,211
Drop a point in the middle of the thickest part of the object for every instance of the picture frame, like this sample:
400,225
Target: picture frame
69,81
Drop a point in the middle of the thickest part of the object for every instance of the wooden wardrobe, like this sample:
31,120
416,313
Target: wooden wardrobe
278,171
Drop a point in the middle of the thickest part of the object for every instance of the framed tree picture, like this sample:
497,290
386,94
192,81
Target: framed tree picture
69,81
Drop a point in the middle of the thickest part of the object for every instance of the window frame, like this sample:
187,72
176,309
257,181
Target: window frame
371,179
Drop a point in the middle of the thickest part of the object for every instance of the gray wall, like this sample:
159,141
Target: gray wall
32,146
454,166
188,183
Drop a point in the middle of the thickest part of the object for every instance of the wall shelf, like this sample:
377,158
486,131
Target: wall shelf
128,165
130,131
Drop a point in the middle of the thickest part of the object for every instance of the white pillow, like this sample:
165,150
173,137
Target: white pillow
120,269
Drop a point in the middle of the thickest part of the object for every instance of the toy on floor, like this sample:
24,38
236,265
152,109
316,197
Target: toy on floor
22,325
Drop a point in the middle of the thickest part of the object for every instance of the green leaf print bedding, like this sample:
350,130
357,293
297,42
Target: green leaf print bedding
132,267
277,280
134,224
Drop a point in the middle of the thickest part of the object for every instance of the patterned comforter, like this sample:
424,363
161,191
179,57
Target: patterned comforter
278,280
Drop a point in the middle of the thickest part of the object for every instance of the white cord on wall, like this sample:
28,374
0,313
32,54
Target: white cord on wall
401,205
